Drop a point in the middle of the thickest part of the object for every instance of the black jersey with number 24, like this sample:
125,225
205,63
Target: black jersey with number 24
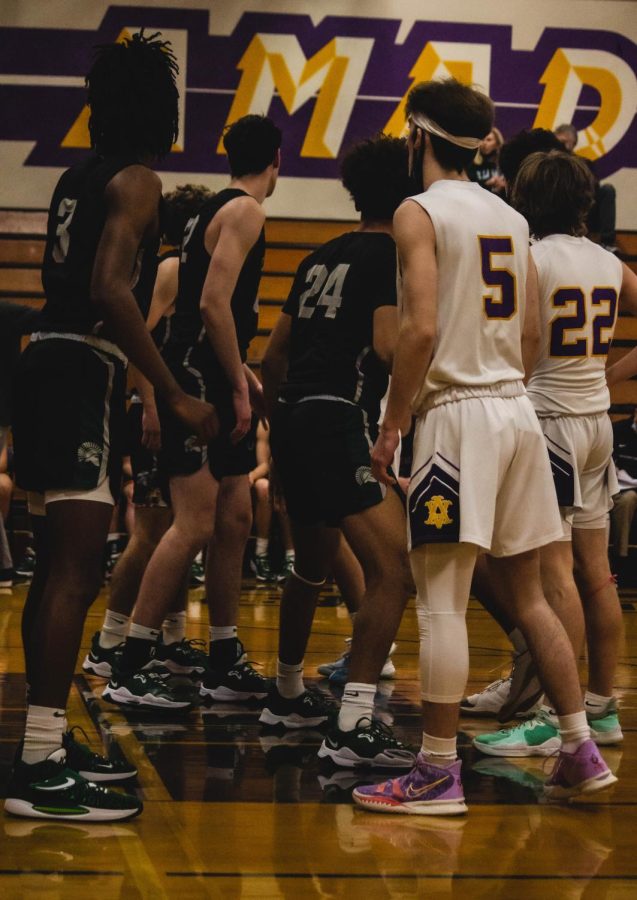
332,302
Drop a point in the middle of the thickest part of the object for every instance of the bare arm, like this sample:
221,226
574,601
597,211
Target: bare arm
132,199
531,328
385,333
416,243
239,225
275,361
626,367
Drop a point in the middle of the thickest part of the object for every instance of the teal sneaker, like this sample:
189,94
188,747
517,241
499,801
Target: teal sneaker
605,727
536,737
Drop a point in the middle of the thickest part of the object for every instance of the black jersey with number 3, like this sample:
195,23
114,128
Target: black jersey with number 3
187,327
334,296
76,220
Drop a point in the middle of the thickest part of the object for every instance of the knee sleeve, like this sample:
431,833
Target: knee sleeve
443,580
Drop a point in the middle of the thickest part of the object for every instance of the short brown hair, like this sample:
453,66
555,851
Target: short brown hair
554,192
459,109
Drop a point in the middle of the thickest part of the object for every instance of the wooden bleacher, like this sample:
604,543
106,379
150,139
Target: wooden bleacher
288,241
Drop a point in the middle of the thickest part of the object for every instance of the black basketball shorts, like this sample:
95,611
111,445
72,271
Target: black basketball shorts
150,487
321,452
69,414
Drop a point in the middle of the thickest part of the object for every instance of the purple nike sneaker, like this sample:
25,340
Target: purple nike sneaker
425,791
582,772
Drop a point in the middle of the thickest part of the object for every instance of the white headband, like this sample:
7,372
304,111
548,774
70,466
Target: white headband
467,143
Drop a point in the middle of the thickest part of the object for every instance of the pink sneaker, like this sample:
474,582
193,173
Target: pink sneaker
582,772
425,791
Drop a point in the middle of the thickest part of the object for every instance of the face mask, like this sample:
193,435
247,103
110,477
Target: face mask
416,174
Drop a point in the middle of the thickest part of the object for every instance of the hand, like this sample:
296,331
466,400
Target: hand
151,430
255,392
198,415
383,454
242,413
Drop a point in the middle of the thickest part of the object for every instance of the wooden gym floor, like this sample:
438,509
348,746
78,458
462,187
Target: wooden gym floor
232,812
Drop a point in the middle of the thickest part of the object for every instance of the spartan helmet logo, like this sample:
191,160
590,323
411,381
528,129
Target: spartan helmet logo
90,453
364,475
438,509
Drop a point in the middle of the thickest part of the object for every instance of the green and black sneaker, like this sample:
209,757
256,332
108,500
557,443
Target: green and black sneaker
50,790
91,765
182,657
371,745
147,689
99,660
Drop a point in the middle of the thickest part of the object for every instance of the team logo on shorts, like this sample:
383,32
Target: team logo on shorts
364,476
190,444
438,509
90,453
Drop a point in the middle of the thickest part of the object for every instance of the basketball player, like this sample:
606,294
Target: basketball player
152,508
480,476
580,285
215,320
325,371
103,227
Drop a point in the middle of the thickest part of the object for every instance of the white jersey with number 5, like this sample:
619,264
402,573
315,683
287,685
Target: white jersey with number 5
482,248
579,285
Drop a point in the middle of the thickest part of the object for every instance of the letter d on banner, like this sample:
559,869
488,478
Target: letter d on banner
566,74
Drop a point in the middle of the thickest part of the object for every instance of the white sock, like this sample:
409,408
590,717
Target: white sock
289,679
174,628
143,632
595,703
113,630
222,632
517,639
574,731
357,703
289,555
262,546
43,735
113,536
439,751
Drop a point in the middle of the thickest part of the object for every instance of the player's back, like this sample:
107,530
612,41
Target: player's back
579,284
335,294
482,261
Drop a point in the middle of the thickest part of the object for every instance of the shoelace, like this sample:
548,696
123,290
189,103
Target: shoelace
84,747
378,729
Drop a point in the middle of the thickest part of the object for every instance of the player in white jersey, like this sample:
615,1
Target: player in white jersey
580,288
480,476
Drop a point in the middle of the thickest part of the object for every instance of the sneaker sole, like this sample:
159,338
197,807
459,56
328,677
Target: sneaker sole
291,721
105,776
345,757
27,810
414,808
123,697
590,786
546,749
228,695
101,669
606,738
482,713
523,703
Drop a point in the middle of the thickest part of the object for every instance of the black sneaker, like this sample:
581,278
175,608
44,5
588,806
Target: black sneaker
241,682
26,568
145,690
182,657
262,570
6,579
91,765
50,790
371,744
310,709
99,660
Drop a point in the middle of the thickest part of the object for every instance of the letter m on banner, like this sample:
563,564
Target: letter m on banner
277,62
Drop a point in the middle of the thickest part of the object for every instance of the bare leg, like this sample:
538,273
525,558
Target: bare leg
150,526
602,611
377,537
348,575
544,633
485,589
262,508
226,549
560,590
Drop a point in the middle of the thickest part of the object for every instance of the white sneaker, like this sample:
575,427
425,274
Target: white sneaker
489,701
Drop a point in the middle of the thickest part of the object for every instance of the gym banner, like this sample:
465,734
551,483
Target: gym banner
328,73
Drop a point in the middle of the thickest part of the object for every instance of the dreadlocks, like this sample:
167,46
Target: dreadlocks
133,97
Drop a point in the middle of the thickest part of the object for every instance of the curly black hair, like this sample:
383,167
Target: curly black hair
376,174
132,95
180,205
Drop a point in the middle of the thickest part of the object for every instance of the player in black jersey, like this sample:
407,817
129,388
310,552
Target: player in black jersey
325,372
214,321
151,498
102,234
